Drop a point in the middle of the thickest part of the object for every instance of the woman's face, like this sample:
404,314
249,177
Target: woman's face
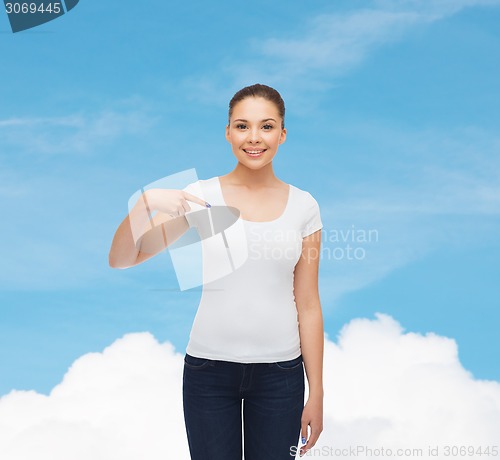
254,131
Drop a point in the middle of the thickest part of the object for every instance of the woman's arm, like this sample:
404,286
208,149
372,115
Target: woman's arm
311,334
124,251
155,236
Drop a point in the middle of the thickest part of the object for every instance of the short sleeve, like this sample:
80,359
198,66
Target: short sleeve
195,189
312,217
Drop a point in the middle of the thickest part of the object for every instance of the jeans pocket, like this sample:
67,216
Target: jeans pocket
194,362
294,363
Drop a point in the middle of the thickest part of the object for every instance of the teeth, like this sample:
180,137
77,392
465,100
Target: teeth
254,151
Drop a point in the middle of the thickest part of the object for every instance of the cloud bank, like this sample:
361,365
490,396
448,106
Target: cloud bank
383,388
75,133
328,46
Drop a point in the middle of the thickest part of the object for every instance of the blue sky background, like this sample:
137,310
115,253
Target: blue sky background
392,118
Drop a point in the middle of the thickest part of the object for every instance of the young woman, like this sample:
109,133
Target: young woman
258,326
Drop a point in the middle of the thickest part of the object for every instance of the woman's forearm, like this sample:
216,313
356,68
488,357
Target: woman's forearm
124,251
312,345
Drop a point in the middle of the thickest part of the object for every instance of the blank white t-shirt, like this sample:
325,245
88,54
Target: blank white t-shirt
248,313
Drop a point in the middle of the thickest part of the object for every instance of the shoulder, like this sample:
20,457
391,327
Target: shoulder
304,197
310,214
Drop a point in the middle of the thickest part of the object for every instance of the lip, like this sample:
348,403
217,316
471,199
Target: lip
259,152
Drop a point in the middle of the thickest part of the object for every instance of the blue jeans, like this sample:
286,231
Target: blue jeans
273,399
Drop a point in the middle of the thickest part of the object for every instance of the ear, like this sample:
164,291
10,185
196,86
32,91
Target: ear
282,136
227,134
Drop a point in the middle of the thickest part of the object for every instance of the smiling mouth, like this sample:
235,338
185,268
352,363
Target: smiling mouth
254,152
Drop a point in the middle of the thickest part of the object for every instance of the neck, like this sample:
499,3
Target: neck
242,175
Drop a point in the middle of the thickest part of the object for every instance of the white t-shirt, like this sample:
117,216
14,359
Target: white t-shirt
247,312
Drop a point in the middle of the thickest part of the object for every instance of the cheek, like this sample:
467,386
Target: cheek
275,139
235,140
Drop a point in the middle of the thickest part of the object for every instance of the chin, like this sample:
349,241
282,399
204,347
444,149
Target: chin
252,164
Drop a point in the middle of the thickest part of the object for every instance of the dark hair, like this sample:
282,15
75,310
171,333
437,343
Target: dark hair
259,90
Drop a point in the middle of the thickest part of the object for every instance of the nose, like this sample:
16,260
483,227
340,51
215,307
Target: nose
254,135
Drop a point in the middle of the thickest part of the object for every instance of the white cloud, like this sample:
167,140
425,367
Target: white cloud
335,43
434,9
383,387
331,45
124,403
76,133
33,121
395,389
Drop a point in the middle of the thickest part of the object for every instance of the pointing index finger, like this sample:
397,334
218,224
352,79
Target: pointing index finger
188,196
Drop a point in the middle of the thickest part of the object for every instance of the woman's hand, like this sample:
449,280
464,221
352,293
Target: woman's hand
171,201
312,416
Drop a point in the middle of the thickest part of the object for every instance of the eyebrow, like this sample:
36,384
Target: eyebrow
246,121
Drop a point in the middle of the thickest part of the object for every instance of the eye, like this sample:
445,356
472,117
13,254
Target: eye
268,127
241,126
